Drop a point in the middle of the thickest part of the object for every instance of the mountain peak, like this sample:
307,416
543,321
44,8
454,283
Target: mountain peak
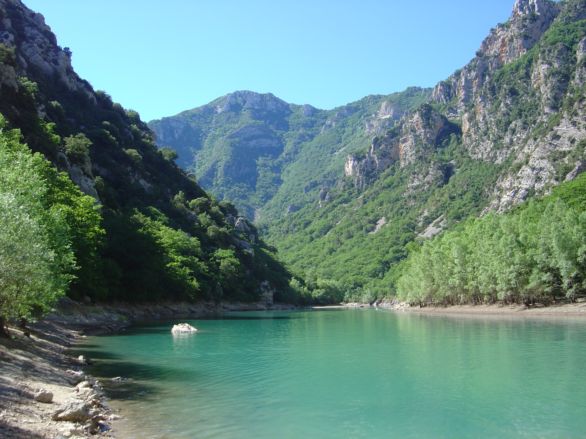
243,100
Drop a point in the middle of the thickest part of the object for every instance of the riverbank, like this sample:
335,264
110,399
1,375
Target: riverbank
576,310
44,392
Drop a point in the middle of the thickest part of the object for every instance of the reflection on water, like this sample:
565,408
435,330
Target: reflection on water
350,373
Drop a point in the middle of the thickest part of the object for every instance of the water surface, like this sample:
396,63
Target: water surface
349,374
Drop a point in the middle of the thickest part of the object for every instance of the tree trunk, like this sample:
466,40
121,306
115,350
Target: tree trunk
3,329
22,325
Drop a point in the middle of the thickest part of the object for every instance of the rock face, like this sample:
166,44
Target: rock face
505,44
499,108
38,56
554,73
36,47
414,135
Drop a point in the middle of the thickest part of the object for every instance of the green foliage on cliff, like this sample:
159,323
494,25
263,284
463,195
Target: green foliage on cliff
535,253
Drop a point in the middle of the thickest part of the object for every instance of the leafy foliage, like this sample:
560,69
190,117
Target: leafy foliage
48,228
535,254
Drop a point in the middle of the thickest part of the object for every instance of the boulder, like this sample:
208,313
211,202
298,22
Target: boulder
73,411
77,376
44,396
84,384
183,328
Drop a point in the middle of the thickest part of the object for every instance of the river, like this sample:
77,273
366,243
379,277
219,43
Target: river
348,374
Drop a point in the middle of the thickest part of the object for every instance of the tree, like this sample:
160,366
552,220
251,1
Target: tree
36,259
77,148
168,154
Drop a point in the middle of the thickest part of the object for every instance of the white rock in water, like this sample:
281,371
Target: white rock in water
183,328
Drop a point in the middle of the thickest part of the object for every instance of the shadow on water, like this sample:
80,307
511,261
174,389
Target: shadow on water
106,368
94,354
164,326
86,346
243,317
130,391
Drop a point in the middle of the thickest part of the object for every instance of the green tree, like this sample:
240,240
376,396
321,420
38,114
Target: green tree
36,259
77,148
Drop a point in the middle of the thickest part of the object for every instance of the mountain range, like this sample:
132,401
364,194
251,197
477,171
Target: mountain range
343,193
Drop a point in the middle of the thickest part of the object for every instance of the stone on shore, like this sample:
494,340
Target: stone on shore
183,328
77,376
73,411
44,396
84,384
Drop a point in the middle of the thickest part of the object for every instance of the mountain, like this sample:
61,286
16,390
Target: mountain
158,235
268,156
346,198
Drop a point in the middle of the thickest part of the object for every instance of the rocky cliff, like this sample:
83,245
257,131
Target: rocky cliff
518,101
520,98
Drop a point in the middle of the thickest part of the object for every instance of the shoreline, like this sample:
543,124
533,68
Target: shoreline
43,363
566,310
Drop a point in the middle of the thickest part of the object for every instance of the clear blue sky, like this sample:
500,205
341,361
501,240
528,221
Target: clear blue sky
162,57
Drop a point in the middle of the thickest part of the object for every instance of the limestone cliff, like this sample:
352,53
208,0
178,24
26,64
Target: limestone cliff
519,101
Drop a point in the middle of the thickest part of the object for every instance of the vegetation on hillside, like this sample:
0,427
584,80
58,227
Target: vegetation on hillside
341,242
537,253
359,237
49,235
133,226
265,155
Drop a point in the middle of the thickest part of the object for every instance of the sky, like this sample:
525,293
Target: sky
163,57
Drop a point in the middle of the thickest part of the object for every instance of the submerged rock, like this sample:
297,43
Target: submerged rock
183,328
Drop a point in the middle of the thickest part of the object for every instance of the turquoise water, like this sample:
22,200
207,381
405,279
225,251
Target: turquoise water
349,374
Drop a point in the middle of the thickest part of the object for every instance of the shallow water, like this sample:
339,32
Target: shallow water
349,374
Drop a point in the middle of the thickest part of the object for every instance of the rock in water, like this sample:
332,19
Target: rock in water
43,395
183,328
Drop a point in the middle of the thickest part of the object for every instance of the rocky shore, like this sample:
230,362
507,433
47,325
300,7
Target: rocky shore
44,391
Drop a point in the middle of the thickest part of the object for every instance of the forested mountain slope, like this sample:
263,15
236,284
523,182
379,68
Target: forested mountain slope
270,157
144,230
509,125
